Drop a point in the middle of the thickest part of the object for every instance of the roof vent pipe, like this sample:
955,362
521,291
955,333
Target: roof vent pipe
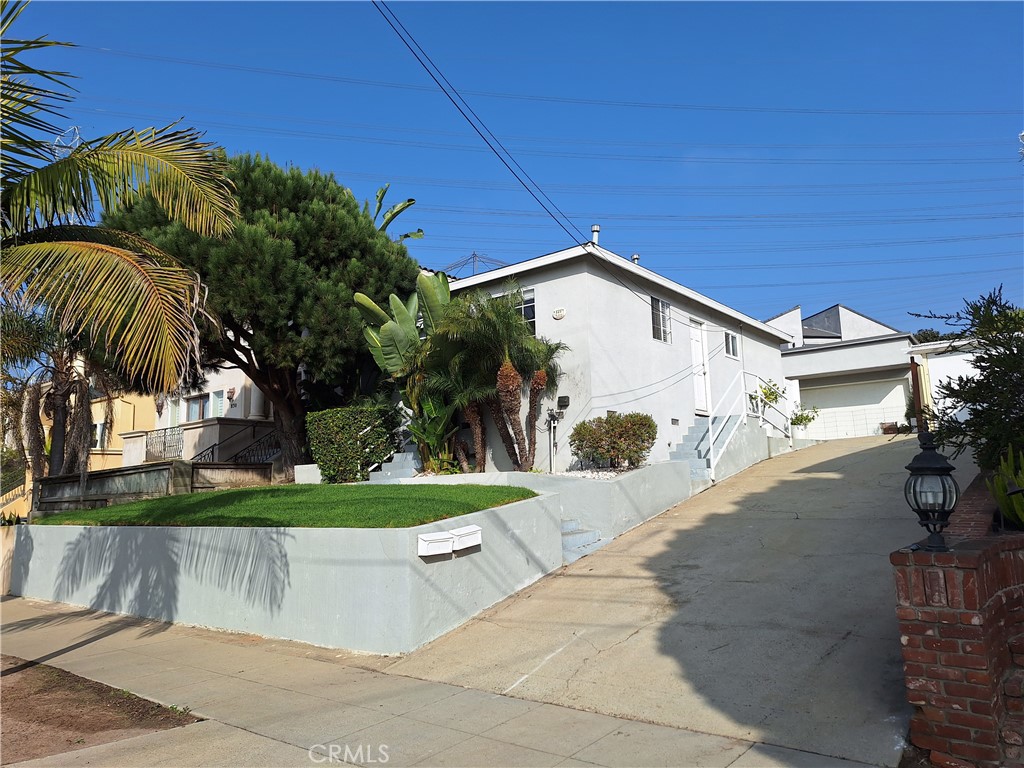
636,258
595,231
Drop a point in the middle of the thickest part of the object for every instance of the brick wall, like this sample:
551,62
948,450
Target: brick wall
961,617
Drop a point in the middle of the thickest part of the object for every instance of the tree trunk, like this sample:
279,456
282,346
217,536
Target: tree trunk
476,425
510,387
537,384
506,437
461,454
58,429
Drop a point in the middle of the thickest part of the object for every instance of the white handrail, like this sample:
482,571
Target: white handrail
712,436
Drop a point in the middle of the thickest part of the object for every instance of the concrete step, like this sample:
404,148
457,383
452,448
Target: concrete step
579,538
571,556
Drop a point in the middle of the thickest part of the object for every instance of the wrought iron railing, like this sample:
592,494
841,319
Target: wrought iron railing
259,452
162,444
209,454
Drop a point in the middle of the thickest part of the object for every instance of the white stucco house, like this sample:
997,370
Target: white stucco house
638,342
852,368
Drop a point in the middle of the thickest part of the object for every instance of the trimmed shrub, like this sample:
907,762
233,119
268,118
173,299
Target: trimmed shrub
346,442
618,440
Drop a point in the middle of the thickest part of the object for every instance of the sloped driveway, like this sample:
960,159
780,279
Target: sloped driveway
761,609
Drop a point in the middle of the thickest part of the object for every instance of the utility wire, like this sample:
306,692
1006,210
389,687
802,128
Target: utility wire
552,99
479,126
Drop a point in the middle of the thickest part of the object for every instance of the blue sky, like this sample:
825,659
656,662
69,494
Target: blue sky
765,154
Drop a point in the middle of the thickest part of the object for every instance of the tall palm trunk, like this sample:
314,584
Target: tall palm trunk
498,415
477,427
510,386
537,385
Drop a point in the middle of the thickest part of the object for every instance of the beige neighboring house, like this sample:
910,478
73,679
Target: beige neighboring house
129,413
228,417
855,370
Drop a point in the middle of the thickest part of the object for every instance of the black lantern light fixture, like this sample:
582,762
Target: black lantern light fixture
931,491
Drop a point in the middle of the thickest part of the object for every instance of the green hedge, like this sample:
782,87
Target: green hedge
342,450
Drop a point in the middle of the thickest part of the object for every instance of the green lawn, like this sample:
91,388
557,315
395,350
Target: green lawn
303,506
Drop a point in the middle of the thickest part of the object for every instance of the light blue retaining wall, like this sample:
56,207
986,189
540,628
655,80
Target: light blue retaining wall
364,589
611,506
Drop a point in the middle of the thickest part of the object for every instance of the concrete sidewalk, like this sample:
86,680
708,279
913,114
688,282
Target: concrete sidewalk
273,703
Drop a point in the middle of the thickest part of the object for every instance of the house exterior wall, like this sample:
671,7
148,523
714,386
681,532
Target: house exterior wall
834,359
856,326
940,364
792,323
248,402
615,363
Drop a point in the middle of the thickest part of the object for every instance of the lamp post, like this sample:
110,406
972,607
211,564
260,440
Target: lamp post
931,491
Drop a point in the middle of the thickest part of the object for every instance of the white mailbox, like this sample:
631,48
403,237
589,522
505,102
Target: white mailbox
440,543
469,536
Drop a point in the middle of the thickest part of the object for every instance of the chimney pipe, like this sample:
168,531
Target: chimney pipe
636,258
595,232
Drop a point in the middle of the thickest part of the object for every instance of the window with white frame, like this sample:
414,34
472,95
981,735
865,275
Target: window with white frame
661,320
732,345
528,309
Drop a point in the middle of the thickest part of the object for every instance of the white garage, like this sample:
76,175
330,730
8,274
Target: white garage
855,409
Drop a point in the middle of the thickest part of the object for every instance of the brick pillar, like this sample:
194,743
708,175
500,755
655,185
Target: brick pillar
961,617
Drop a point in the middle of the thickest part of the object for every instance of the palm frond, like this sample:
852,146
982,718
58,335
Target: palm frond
179,170
143,309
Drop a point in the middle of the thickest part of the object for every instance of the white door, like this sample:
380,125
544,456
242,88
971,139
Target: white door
700,367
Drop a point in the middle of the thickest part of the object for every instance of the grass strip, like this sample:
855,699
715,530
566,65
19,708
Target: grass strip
303,506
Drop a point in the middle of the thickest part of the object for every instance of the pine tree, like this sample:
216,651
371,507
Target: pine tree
282,286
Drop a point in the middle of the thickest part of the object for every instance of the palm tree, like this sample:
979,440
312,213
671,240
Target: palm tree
113,286
498,346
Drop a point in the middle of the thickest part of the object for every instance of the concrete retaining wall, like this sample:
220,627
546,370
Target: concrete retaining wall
611,507
145,481
364,589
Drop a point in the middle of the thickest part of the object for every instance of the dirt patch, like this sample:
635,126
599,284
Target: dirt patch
47,711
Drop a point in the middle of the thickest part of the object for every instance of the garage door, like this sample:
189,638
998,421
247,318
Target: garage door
855,410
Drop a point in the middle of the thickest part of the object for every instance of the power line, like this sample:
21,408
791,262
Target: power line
551,99
179,108
479,126
589,156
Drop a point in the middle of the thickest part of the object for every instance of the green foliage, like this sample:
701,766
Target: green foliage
91,281
304,506
927,335
394,340
345,442
433,430
619,440
985,411
1011,469
771,392
802,417
283,286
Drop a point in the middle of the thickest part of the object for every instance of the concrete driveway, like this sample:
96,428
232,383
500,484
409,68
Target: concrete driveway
761,609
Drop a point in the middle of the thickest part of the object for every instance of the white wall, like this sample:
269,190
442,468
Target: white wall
940,366
245,405
856,326
840,358
359,588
